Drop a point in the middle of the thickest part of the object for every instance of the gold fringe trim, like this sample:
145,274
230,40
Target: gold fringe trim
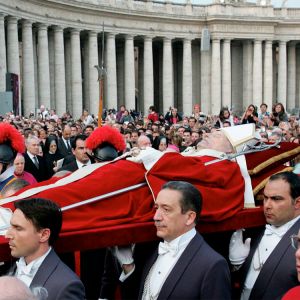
264,182
273,160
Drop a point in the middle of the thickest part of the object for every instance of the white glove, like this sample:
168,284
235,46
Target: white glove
5,216
123,254
238,250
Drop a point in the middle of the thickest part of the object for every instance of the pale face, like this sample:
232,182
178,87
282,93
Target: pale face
187,137
80,152
169,220
53,147
215,140
24,239
162,145
19,164
33,146
195,136
67,132
278,203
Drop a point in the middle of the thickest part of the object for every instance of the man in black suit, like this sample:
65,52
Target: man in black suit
34,163
79,150
269,270
35,225
64,143
183,266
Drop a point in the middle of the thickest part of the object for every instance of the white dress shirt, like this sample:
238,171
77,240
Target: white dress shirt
80,164
26,272
169,253
268,243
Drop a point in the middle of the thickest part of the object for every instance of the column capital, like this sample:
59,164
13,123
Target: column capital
187,39
257,41
129,37
12,19
227,40
27,23
216,39
283,42
74,31
58,28
2,15
111,35
268,42
167,39
42,26
148,38
92,33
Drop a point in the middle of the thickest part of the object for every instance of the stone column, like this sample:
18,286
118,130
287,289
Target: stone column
129,79
206,81
13,61
111,68
68,77
43,66
148,74
257,73
93,73
226,74
59,71
28,68
247,73
268,75
187,77
2,55
51,64
168,83
76,83
282,74
291,77
216,77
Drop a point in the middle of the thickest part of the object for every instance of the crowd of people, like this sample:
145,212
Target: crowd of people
172,131
184,266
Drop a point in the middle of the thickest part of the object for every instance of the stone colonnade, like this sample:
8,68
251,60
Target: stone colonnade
56,68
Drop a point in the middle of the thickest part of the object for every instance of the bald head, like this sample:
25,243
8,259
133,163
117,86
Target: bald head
143,142
13,288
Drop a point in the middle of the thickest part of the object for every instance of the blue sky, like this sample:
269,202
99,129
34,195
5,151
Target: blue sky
276,3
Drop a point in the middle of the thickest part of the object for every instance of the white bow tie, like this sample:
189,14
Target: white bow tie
164,248
24,270
273,230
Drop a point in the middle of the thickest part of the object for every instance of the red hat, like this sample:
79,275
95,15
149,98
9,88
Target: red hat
106,142
11,142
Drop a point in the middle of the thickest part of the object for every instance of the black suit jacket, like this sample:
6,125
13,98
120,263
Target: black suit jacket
200,273
72,166
278,273
63,150
59,280
40,173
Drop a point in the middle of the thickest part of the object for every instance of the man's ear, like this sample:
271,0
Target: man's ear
44,235
191,217
297,203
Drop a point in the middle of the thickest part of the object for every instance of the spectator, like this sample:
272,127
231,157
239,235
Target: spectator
86,118
52,155
153,115
250,115
279,114
19,164
224,116
35,164
64,143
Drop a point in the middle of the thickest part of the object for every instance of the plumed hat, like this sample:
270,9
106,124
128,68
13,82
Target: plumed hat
105,142
11,142
240,135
